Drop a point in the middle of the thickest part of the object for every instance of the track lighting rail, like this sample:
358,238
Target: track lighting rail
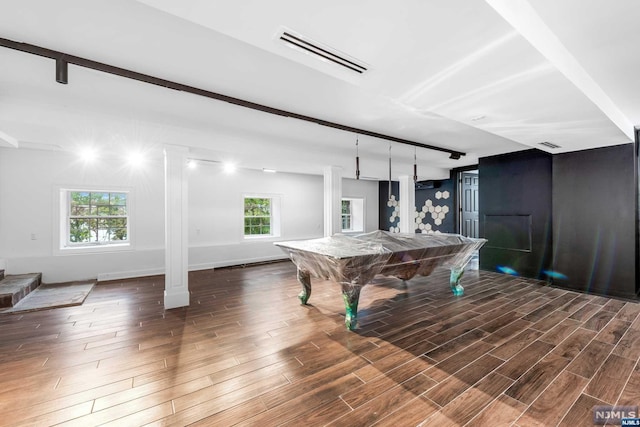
62,59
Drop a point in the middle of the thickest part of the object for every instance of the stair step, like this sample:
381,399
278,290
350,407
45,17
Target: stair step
17,286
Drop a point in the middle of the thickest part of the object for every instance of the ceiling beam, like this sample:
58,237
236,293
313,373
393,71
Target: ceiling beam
62,59
526,21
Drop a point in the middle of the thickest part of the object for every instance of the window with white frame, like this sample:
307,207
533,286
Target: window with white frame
94,218
352,215
261,216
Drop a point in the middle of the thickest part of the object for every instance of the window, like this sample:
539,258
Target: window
261,218
346,215
95,218
257,216
352,215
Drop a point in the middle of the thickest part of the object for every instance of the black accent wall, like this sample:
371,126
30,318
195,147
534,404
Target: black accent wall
594,220
570,219
637,205
516,212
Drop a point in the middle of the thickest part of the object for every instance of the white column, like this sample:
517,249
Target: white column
407,204
332,200
176,285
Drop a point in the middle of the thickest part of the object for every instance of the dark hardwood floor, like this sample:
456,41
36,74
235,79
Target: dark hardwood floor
510,352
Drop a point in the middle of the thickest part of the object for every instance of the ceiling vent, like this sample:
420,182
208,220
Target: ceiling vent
549,144
321,52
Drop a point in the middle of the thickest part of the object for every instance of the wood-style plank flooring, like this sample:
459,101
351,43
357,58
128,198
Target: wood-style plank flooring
511,351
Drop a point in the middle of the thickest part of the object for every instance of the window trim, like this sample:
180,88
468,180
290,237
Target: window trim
275,222
61,243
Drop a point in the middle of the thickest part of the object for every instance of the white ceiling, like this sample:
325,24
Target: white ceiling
481,77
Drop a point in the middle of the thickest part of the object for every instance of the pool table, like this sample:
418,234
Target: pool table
353,261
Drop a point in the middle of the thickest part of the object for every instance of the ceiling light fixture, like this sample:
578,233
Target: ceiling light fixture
62,71
389,171
268,170
357,160
135,159
229,167
88,154
455,156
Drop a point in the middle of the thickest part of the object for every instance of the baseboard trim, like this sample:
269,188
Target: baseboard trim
132,274
120,275
249,261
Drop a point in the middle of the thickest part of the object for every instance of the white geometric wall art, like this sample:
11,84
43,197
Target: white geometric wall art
393,203
429,216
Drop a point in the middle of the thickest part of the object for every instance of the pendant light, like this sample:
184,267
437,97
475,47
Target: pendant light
357,160
389,171
415,166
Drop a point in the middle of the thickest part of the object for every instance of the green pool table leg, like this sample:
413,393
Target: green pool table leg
456,275
351,296
304,278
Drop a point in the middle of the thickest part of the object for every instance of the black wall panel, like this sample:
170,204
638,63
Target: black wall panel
594,220
515,212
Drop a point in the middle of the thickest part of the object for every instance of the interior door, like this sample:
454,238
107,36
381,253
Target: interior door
469,207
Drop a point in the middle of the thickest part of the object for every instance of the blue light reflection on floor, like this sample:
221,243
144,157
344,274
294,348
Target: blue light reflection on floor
507,270
555,274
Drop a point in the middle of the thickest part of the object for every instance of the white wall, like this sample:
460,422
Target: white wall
29,188
216,213
29,183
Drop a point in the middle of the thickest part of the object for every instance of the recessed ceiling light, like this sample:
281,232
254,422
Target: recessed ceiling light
136,158
191,164
88,154
229,167
268,170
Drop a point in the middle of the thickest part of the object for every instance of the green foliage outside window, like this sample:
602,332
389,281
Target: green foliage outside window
257,216
346,215
97,217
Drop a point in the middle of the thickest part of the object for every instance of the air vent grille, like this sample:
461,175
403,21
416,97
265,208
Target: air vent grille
549,144
322,52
